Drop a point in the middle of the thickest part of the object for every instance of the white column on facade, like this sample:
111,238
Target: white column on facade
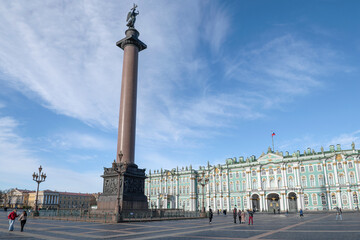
335,172
284,176
325,173
258,174
329,199
338,196
298,201
267,179
297,174
346,171
349,198
248,179
356,166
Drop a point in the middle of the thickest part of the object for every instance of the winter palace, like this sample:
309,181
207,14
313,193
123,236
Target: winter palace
314,181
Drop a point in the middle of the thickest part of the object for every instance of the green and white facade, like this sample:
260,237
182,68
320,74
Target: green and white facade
314,181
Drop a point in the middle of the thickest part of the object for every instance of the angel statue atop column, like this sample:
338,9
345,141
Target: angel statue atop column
131,17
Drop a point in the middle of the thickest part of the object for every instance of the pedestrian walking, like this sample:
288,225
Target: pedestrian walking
22,220
251,216
210,215
301,213
239,215
243,216
235,214
11,218
338,213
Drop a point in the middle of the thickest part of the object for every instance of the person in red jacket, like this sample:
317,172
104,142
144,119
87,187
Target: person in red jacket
11,218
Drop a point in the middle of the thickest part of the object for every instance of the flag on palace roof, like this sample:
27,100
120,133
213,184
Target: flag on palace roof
273,134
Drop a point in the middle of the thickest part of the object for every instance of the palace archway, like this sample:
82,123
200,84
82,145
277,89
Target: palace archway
273,201
255,200
292,202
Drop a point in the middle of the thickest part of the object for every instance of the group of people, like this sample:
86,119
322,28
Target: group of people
22,218
237,214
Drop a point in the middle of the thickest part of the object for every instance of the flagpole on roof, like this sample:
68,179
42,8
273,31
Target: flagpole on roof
272,138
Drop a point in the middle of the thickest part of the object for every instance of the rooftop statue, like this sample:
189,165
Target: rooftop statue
131,17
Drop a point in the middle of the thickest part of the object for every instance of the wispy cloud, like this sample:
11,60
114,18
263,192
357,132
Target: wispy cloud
282,69
18,162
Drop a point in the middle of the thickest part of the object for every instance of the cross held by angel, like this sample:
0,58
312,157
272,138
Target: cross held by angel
131,17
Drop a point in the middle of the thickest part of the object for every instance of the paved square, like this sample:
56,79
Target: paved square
266,226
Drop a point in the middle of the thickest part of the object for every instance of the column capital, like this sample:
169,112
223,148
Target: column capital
131,38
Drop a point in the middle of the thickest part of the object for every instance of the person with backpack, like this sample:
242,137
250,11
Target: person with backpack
251,216
11,218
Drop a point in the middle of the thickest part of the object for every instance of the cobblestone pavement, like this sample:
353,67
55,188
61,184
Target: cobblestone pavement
266,226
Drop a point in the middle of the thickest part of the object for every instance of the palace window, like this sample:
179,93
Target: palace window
321,180
323,199
245,202
306,200
231,175
218,203
311,168
231,186
271,171
329,167
224,176
355,197
278,171
314,199
238,201
331,179
341,179
174,190
303,181
187,190
352,178
243,185
263,183
291,182
232,202
263,172
302,169
237,175
333,199
319,168
312,181
211,187
272,183
339,166
212,202
243,174
344,199
254,185
238,186
225,202
253,173
290,169
350,164
224,186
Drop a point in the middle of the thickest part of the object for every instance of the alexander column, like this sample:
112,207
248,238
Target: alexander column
123,189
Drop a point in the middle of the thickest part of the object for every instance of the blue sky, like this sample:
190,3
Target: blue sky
217,78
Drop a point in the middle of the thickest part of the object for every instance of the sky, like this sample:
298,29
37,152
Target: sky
217,78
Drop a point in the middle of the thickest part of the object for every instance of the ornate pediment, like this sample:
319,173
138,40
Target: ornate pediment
270,158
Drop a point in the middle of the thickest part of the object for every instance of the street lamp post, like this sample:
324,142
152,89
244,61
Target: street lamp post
117,168
203,181
39,178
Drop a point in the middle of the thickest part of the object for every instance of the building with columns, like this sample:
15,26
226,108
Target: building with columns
315,181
